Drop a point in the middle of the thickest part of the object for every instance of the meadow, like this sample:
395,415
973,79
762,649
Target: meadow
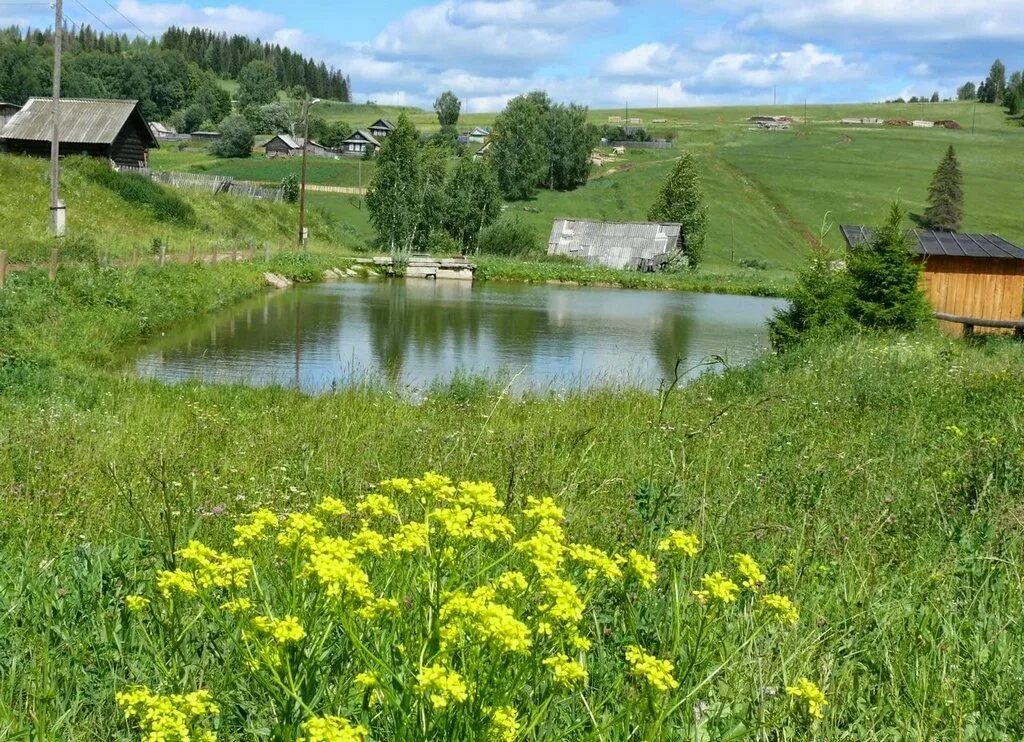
875,481
771,195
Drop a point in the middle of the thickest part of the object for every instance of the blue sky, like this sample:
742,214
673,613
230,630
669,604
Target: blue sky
607,53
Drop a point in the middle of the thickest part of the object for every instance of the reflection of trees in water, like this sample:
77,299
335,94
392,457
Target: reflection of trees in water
671,341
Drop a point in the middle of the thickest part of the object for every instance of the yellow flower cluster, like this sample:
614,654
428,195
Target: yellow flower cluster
644,568
749,570
568,673
718,587
136,603
543,509
285,630
378,505
599,562
479,615
238,605
442,686
215,569
658,673
780,608
410,538
169,582
680,542
512,582
566,606
811,694
333,506
259,523
299,529
332,729
546,547
332,561
505,723
166,718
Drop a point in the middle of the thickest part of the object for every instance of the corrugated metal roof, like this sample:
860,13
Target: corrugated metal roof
81,121
289,141
947,244
633,245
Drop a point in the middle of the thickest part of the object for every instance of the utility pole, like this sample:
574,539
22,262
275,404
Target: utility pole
303,234
58,214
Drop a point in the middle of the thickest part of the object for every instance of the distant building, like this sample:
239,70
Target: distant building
642,246
479,135
111,129
978,276
283,145
867,121
380,129
206,136
162,131
359,144
923,124
7,111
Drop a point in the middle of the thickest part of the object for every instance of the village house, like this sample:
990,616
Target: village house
162,131
979,276
7,111
360,144
641,246
380,129
479,135
111,129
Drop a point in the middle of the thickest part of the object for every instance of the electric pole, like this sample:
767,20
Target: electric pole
58,215
303,233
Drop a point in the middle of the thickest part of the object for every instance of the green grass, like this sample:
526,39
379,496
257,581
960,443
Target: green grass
877,480
114,227
346,172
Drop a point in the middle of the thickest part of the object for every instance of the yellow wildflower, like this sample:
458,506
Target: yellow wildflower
478,496
781,608
455,520
492,527
377,608
568,673
749,570
656,672
136,603
397,486
479,615
505,722
811,695
680,542
600,563
333,506
285,630
238,605
332,729
644,568
434,485
182,582
410,538
261,521
378,505
718,586
165,718
543,509
441,685
368,541
332,560
215,569
367,680
546,547
566,606
512,582
299,528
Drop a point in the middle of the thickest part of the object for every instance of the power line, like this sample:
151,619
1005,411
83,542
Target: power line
83,7
127,19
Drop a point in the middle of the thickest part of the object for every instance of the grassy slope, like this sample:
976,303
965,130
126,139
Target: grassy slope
118,227
768,193
902,532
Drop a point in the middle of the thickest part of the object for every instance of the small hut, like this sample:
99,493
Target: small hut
641,246
969,276
112,129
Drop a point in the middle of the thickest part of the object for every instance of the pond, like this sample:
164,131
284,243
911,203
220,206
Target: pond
414,333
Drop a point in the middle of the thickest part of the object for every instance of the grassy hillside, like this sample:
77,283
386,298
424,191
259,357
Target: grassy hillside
877,481
115,225
768,193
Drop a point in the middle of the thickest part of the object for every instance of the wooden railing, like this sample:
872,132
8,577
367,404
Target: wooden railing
969,323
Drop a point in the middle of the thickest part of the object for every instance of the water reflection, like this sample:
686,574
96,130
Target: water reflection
416,332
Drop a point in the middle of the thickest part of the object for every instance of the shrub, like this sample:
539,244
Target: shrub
290,185
819,303
163,203
756,264
429,610
508,237
236,138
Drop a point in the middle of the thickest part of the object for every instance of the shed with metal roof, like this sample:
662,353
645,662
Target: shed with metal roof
979,276
113,129
643,246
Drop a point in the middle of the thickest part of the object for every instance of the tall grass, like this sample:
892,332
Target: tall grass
876,481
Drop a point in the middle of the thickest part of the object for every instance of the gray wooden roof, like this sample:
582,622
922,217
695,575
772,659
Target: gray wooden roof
362,135
289,141
382,124
614,244
947,244
81,121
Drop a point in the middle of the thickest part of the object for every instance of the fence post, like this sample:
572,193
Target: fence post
3,268
54,257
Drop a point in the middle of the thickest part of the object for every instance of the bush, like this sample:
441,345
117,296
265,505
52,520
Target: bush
163,203
290,185
236,138
756,264
508,237
820,303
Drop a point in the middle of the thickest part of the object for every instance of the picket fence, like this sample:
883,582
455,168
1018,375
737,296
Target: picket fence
212,183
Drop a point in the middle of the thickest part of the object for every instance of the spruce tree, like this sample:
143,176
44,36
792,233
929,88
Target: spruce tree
681,201
886,279
945,210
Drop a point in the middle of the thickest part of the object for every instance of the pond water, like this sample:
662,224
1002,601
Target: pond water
414,333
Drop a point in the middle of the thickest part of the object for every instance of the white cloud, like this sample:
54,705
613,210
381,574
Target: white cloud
653,59
154,18
809,63
528,13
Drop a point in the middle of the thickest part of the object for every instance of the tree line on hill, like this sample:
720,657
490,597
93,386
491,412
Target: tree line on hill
175,77
997,88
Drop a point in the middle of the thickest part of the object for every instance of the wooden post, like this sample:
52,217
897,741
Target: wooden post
3,268
54,257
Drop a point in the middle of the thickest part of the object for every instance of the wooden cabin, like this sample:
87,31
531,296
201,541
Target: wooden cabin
112,129
361,143
971,276
381,128
283,145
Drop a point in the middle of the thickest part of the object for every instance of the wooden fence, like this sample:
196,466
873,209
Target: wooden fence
642,145
211,183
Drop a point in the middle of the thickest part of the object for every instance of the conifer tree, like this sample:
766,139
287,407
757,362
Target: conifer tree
946,196
682,201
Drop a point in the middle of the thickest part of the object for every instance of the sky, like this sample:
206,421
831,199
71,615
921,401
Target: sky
607,53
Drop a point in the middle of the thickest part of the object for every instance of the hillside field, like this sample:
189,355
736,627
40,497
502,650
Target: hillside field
768,193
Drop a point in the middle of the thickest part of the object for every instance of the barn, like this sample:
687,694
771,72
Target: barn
112,129
642,246
283,145
968,276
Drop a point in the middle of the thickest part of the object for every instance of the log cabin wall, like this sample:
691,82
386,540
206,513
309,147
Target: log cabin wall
974,287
